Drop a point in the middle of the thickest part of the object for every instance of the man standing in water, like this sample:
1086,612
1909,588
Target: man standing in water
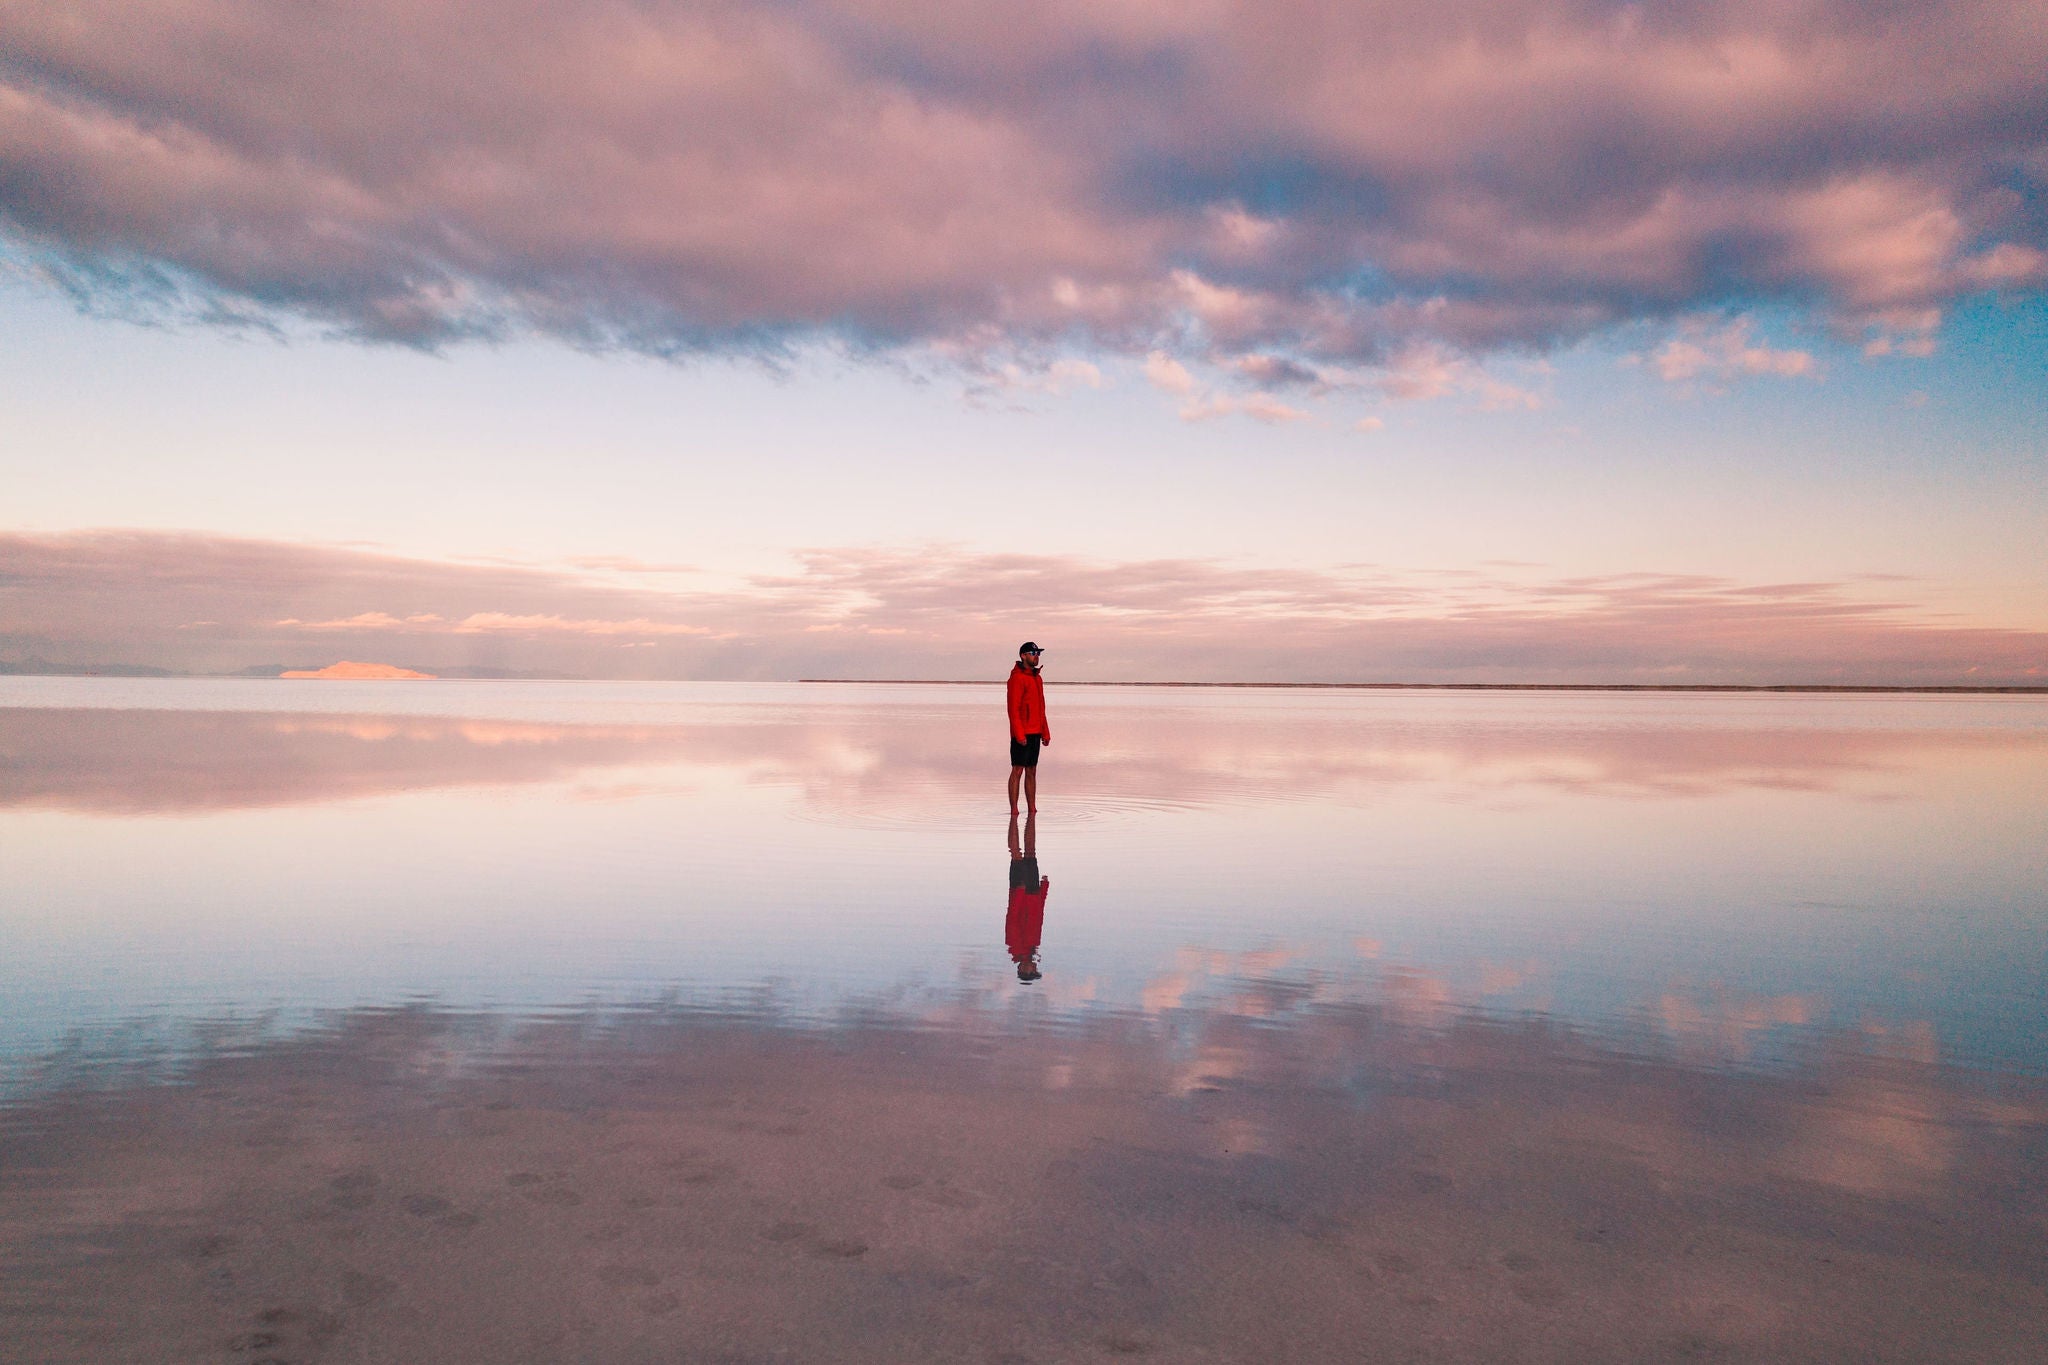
1028,728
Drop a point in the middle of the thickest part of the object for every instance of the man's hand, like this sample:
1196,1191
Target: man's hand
1045,741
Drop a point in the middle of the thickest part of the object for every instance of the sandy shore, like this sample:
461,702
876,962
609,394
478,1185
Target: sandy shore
410,1187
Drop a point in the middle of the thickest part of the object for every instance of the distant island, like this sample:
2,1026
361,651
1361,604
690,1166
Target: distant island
356,672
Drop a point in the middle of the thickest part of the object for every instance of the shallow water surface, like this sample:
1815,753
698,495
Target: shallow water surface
509,1020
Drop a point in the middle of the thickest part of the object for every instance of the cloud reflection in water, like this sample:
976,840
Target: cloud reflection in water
1714,881
865,764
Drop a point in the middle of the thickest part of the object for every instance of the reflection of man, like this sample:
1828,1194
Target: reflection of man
1028,728
1026,919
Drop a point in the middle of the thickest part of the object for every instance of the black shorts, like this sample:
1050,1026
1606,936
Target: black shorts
1025,755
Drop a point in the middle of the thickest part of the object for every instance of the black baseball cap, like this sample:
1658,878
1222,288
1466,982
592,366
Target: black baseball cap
1029,647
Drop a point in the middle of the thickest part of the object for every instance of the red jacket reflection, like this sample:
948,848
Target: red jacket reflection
1025,923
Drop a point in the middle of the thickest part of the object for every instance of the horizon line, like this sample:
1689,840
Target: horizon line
135,672
2021,688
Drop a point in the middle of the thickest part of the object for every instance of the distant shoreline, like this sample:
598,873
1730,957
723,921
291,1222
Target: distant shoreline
2026,690
136,672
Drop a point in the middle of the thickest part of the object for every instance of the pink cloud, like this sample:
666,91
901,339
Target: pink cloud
1202,404
133,597
480,622
1169,374
1306,179
1718,353
1263,407
363,620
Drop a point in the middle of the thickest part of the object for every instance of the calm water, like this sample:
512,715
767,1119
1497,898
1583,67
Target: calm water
1497,1008
1714,878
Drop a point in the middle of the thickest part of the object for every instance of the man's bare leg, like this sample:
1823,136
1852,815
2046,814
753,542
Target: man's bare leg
1017,776
1030,792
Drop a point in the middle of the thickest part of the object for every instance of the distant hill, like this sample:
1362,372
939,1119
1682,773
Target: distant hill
44,668
34,667
455,671
355,672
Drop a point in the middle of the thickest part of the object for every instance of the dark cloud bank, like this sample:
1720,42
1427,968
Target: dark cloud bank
1291,183
207,603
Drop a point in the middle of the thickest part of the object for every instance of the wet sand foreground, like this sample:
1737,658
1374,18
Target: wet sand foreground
410,1186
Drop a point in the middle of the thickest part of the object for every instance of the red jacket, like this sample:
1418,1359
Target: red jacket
1027,704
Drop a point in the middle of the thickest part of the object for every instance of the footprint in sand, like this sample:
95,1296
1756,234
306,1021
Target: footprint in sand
697,1166
209,1246
660,1305
840,1248
279,1331
438,1210
943,1194
628,1276
542,1189
220,1283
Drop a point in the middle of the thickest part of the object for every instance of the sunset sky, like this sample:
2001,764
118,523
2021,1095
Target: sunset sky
1482,340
